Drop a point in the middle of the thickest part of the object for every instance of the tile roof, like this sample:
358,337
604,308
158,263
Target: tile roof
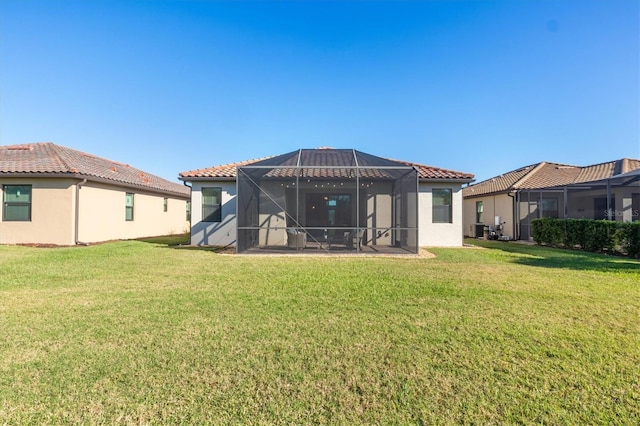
49,159
336,161
546,175
434,173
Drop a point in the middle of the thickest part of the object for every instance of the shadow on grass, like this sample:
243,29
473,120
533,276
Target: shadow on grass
546,257
182,242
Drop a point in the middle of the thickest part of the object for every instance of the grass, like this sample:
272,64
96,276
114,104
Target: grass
146,332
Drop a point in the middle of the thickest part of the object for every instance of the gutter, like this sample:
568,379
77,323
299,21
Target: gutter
207,179
77,225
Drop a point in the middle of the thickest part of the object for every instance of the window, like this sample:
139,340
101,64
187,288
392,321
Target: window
601,210
441,205
17,203
328,209
129,206
549,207
635,207
188,210
165,206
479,211
212,204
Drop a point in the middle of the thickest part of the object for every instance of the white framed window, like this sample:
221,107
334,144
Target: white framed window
128,209
212,204
442,205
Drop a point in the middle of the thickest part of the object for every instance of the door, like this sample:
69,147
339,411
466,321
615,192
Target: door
327,211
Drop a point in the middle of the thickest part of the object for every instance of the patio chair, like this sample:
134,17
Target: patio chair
354,238
296,239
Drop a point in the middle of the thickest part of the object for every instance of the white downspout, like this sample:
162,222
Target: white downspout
77,225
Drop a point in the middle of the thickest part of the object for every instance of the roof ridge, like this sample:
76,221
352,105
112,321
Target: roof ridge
625,165
529,174
600,164
59,151
493,178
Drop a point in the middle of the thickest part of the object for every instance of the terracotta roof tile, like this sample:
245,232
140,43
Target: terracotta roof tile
499,183
433,173
337,162
546,175
49,159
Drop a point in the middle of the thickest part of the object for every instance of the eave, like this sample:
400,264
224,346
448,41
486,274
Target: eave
95,179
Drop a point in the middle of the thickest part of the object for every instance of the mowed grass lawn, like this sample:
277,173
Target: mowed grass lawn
139,332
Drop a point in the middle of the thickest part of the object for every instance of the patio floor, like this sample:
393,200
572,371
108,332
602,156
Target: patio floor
317,249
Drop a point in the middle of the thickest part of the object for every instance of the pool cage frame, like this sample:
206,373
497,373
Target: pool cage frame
615,198
332,200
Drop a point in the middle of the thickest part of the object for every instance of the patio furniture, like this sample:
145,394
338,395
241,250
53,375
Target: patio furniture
296,239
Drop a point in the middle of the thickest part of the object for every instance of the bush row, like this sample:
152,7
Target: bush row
590,235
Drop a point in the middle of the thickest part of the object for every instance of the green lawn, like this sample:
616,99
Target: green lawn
143,332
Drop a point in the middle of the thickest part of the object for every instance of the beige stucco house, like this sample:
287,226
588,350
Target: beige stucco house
56,195
326,199
609,190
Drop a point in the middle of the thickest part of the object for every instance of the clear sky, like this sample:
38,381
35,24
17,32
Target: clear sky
475,86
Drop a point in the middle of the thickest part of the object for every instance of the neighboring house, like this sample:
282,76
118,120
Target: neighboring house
608,190
56,195
327,199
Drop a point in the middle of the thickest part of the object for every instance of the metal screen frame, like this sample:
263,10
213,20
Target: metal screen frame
327,200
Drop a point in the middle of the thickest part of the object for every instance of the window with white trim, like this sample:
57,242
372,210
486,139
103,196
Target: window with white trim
128,206
212,204
442,205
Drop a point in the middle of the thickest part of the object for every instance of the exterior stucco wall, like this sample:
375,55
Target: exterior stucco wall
272,218
493,205
52,213
102,214
439,234
214,233
378,214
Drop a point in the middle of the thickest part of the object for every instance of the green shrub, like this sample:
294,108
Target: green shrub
575,232
590,235
627,238
546,231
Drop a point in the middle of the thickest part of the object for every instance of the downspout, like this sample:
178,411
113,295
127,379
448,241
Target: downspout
609,210
77,225
514,213
184,182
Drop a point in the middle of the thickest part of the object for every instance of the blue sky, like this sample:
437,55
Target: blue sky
476,86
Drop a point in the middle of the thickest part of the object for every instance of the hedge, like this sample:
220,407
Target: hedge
589,235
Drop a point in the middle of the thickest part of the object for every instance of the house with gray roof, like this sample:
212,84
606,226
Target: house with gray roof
56,195
326,200
510,201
